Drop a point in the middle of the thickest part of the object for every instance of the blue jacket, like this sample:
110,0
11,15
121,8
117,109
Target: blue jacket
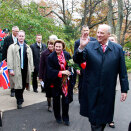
99,82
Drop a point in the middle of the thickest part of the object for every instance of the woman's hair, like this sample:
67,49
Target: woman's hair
114,36
53,37
51,42
60,41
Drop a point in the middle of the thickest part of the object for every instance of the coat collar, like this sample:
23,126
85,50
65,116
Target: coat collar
17,46
97,45
47,52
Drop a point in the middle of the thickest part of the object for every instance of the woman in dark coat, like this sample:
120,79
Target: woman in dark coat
42,72
61,81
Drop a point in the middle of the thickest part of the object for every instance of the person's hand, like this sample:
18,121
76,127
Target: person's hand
84,35
83,41
1,71
123,97
12,73
40,80
66,72
78,72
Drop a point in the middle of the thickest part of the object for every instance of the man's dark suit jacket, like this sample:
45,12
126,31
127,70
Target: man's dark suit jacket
36,54
77,43
7,42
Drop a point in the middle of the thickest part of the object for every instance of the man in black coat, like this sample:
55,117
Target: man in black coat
37,49
84,32
12,38
105,60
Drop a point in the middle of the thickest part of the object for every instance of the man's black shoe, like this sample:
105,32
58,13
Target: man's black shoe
43,91
12,94
67,123
35,91
19,106
58,121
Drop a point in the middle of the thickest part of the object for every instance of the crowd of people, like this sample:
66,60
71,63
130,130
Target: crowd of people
102,58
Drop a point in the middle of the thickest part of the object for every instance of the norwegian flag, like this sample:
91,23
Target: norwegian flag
2,34
4,77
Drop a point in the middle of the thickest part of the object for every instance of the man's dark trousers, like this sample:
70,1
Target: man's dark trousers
34,81
97,127
19,92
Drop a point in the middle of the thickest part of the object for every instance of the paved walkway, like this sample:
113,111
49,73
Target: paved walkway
35,114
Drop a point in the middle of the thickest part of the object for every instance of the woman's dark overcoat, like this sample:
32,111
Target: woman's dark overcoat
42,72
98,89
53,69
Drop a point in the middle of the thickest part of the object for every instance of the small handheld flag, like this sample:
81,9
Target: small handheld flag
2,34
4,77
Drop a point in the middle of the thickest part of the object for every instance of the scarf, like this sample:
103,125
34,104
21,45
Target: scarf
62,63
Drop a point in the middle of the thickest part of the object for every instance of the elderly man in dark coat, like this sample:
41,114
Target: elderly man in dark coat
105,60
12,38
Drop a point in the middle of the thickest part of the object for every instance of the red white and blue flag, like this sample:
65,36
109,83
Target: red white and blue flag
4,77
2,34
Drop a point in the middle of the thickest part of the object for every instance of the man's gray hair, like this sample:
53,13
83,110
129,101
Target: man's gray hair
14,27
53,37
106,26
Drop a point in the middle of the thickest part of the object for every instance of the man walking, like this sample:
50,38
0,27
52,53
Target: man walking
12,38
85,33
20,65
105,60
37,49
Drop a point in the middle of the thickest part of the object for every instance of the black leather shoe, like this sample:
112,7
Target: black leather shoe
67,123
58,121
35,91
12,94
19,106
112,125
43,91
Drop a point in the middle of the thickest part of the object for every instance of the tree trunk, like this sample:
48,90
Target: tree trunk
110,15
85,13
63,4
120,20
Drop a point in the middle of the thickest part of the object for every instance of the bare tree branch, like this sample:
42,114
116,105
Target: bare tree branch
105,19
57,16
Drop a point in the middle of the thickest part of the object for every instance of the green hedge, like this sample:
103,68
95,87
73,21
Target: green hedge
128,63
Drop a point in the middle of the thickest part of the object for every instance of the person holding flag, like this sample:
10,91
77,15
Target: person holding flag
1,71
4,81
12,38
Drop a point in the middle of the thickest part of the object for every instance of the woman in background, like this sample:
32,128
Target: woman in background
42,72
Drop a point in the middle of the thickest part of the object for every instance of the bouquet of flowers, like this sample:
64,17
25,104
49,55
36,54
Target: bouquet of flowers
73,65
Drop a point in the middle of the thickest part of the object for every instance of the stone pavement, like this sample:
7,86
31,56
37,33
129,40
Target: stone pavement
9,103
35,114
